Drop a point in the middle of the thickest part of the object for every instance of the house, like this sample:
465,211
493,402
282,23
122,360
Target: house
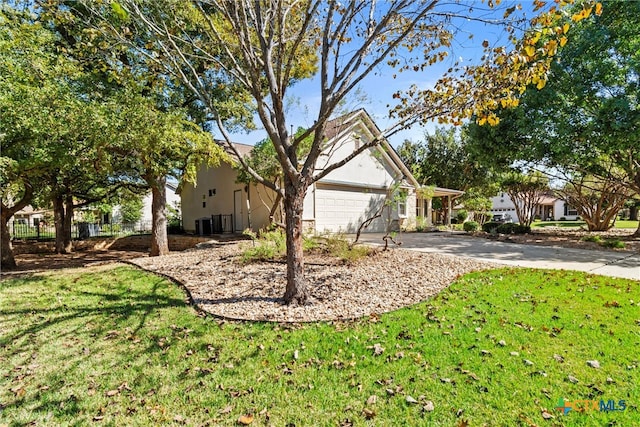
339,202
550,208
172,198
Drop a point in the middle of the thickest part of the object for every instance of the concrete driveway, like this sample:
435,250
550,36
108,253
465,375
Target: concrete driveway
607,263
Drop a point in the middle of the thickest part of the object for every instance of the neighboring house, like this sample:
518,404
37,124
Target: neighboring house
339,202
29,216
173,199
550,208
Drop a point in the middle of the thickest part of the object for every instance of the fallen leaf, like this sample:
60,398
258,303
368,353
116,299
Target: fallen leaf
573,379
112,392
527,362
226,409
593,363
179,419
246,419
502,343
377,349
368,413
514,353
410,399
429,406
372,400
546,415
558,358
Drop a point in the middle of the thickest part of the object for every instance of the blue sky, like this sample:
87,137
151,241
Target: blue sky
378,89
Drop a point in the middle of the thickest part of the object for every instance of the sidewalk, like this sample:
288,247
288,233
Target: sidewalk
607,263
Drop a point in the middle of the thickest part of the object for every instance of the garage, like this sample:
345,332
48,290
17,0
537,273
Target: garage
342,208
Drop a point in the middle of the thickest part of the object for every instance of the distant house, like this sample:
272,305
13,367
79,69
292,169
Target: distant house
173,200
550,208
339,202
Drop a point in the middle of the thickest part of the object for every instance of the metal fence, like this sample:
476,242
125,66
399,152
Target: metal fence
80,230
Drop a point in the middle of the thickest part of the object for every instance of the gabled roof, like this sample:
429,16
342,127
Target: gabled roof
341,125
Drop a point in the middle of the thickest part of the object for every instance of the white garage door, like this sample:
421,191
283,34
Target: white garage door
343,209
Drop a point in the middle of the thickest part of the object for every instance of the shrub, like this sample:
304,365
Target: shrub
490,227
421,224
470,226
563,218
270,245
592,238
512,228
613,243
462,216
338,246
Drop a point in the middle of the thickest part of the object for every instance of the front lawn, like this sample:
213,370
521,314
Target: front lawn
117,346
575,224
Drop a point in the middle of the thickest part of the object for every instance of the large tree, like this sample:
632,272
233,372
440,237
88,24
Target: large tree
265,46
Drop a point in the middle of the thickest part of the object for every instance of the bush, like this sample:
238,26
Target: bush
613,243
338,246
490,227
270,245
462,216
470,226
563,218
421,224
512,228
592,238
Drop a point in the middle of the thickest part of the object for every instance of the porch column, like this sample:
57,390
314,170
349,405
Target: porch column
429,214
448,211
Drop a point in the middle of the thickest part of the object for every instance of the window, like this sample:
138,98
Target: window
402,209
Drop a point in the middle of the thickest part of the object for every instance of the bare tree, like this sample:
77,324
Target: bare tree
264,46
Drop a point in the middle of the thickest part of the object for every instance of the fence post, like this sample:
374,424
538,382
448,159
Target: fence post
38,230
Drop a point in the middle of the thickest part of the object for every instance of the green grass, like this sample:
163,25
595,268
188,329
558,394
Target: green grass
118,346
619,224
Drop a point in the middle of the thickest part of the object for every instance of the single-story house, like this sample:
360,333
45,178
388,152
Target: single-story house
339,202
550,208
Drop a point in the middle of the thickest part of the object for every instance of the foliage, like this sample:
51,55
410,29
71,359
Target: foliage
587,117
461,216
470,226
597,198
131,208
511,228
526,192
444,160
421,224
614,243
139,355
491,227
270,245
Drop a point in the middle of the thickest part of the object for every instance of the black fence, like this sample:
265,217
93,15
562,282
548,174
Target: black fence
215,224
80,230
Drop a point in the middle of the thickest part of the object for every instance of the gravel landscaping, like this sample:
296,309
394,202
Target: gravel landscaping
387,280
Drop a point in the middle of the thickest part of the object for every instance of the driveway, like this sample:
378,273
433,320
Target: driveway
607,263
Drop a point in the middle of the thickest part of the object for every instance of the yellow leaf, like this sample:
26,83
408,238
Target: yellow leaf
541,84
598,9
530,50
482,121
246,419
578,17
493,120
563,41
565,28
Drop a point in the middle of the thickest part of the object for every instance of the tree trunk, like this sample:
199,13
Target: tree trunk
8,260
58,220
159,240
637,232
297,291
66,224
